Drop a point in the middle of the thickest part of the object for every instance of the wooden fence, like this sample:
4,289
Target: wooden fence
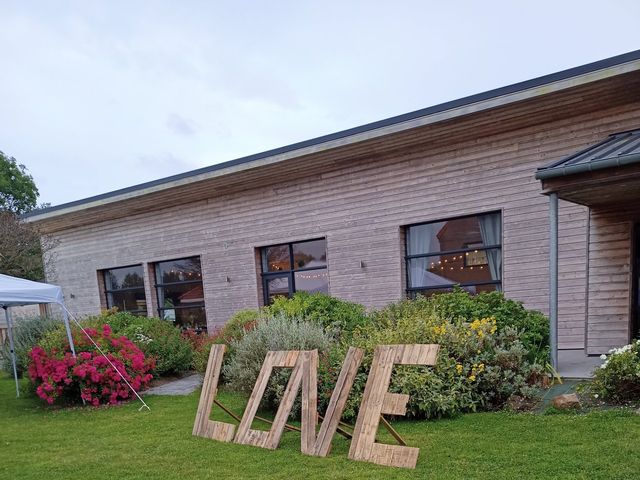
4,335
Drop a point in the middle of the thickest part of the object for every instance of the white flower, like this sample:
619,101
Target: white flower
595,396
603,357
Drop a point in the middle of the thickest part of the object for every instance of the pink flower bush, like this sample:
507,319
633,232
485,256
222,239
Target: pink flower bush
56,374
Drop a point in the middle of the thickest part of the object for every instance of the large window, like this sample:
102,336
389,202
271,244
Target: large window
293,267
180,293
124,289
465,251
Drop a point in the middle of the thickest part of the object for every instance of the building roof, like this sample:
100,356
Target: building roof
616,150
566,79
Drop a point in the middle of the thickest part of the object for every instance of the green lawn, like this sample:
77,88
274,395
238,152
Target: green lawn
122,443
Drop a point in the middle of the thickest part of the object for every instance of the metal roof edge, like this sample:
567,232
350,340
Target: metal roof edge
547,173
337,138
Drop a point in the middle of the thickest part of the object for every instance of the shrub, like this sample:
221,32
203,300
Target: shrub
164,342
618,378
240,322
338,317
478,367
57,375
201,346
532,325
118,321
156,338
27,332
278,333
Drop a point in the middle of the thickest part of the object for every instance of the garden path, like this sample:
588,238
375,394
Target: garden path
181,386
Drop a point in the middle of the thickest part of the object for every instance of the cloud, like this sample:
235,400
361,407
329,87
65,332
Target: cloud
104,95
180,125
165,163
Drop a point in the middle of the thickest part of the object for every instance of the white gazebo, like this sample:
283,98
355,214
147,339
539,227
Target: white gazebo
15,292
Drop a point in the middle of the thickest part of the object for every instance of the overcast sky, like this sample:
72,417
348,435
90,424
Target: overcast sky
96,96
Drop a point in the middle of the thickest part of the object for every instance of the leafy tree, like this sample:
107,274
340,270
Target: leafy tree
18,191
22,246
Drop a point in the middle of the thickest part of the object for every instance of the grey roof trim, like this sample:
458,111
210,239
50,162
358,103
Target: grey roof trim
501,96
617,150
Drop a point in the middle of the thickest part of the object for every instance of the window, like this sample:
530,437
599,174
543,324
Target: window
294,267
180,293
464,251
124,289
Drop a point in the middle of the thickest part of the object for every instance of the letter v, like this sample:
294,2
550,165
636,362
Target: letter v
319,446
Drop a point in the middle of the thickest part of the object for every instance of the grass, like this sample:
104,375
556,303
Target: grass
120,442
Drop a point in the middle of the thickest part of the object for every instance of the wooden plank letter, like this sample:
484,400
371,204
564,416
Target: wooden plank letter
288,359
319,446
203,427
377,400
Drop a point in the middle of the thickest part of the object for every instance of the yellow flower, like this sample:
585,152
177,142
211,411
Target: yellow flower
459,369
439,330
472,378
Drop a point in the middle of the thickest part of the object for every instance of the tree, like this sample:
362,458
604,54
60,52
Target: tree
22,247
18,191
21,244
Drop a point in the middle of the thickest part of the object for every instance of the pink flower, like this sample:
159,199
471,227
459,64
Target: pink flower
56,373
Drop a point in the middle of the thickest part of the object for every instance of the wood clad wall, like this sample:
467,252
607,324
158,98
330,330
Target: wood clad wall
609,299
360,207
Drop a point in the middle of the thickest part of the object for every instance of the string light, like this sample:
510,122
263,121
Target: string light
311,275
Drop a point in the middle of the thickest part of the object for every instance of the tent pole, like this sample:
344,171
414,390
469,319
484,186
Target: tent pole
65,317
13,350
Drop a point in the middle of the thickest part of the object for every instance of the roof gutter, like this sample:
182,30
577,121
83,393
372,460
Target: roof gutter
621,161
476,103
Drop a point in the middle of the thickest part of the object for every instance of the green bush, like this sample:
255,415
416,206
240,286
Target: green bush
240,322
338,317
27,332
532,325
201,346
162,340
278,333
478,368
201,355
618,379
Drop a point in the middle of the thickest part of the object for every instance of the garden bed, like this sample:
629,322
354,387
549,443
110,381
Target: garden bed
123,443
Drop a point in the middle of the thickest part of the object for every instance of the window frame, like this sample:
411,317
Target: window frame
289,274
107,290
412,291
157,286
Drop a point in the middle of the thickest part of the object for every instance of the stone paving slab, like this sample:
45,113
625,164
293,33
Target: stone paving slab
182,386
575,364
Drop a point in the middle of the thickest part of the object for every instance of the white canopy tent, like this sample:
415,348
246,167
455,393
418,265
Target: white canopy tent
15,292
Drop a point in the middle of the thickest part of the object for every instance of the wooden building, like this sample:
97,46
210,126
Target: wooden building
416,203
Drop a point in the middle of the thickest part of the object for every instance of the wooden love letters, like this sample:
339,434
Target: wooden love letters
376,401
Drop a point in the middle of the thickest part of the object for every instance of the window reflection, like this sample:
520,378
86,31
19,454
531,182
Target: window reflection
180,293
463,251
307,273
124,289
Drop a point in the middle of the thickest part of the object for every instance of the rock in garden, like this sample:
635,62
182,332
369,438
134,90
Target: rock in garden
568,400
